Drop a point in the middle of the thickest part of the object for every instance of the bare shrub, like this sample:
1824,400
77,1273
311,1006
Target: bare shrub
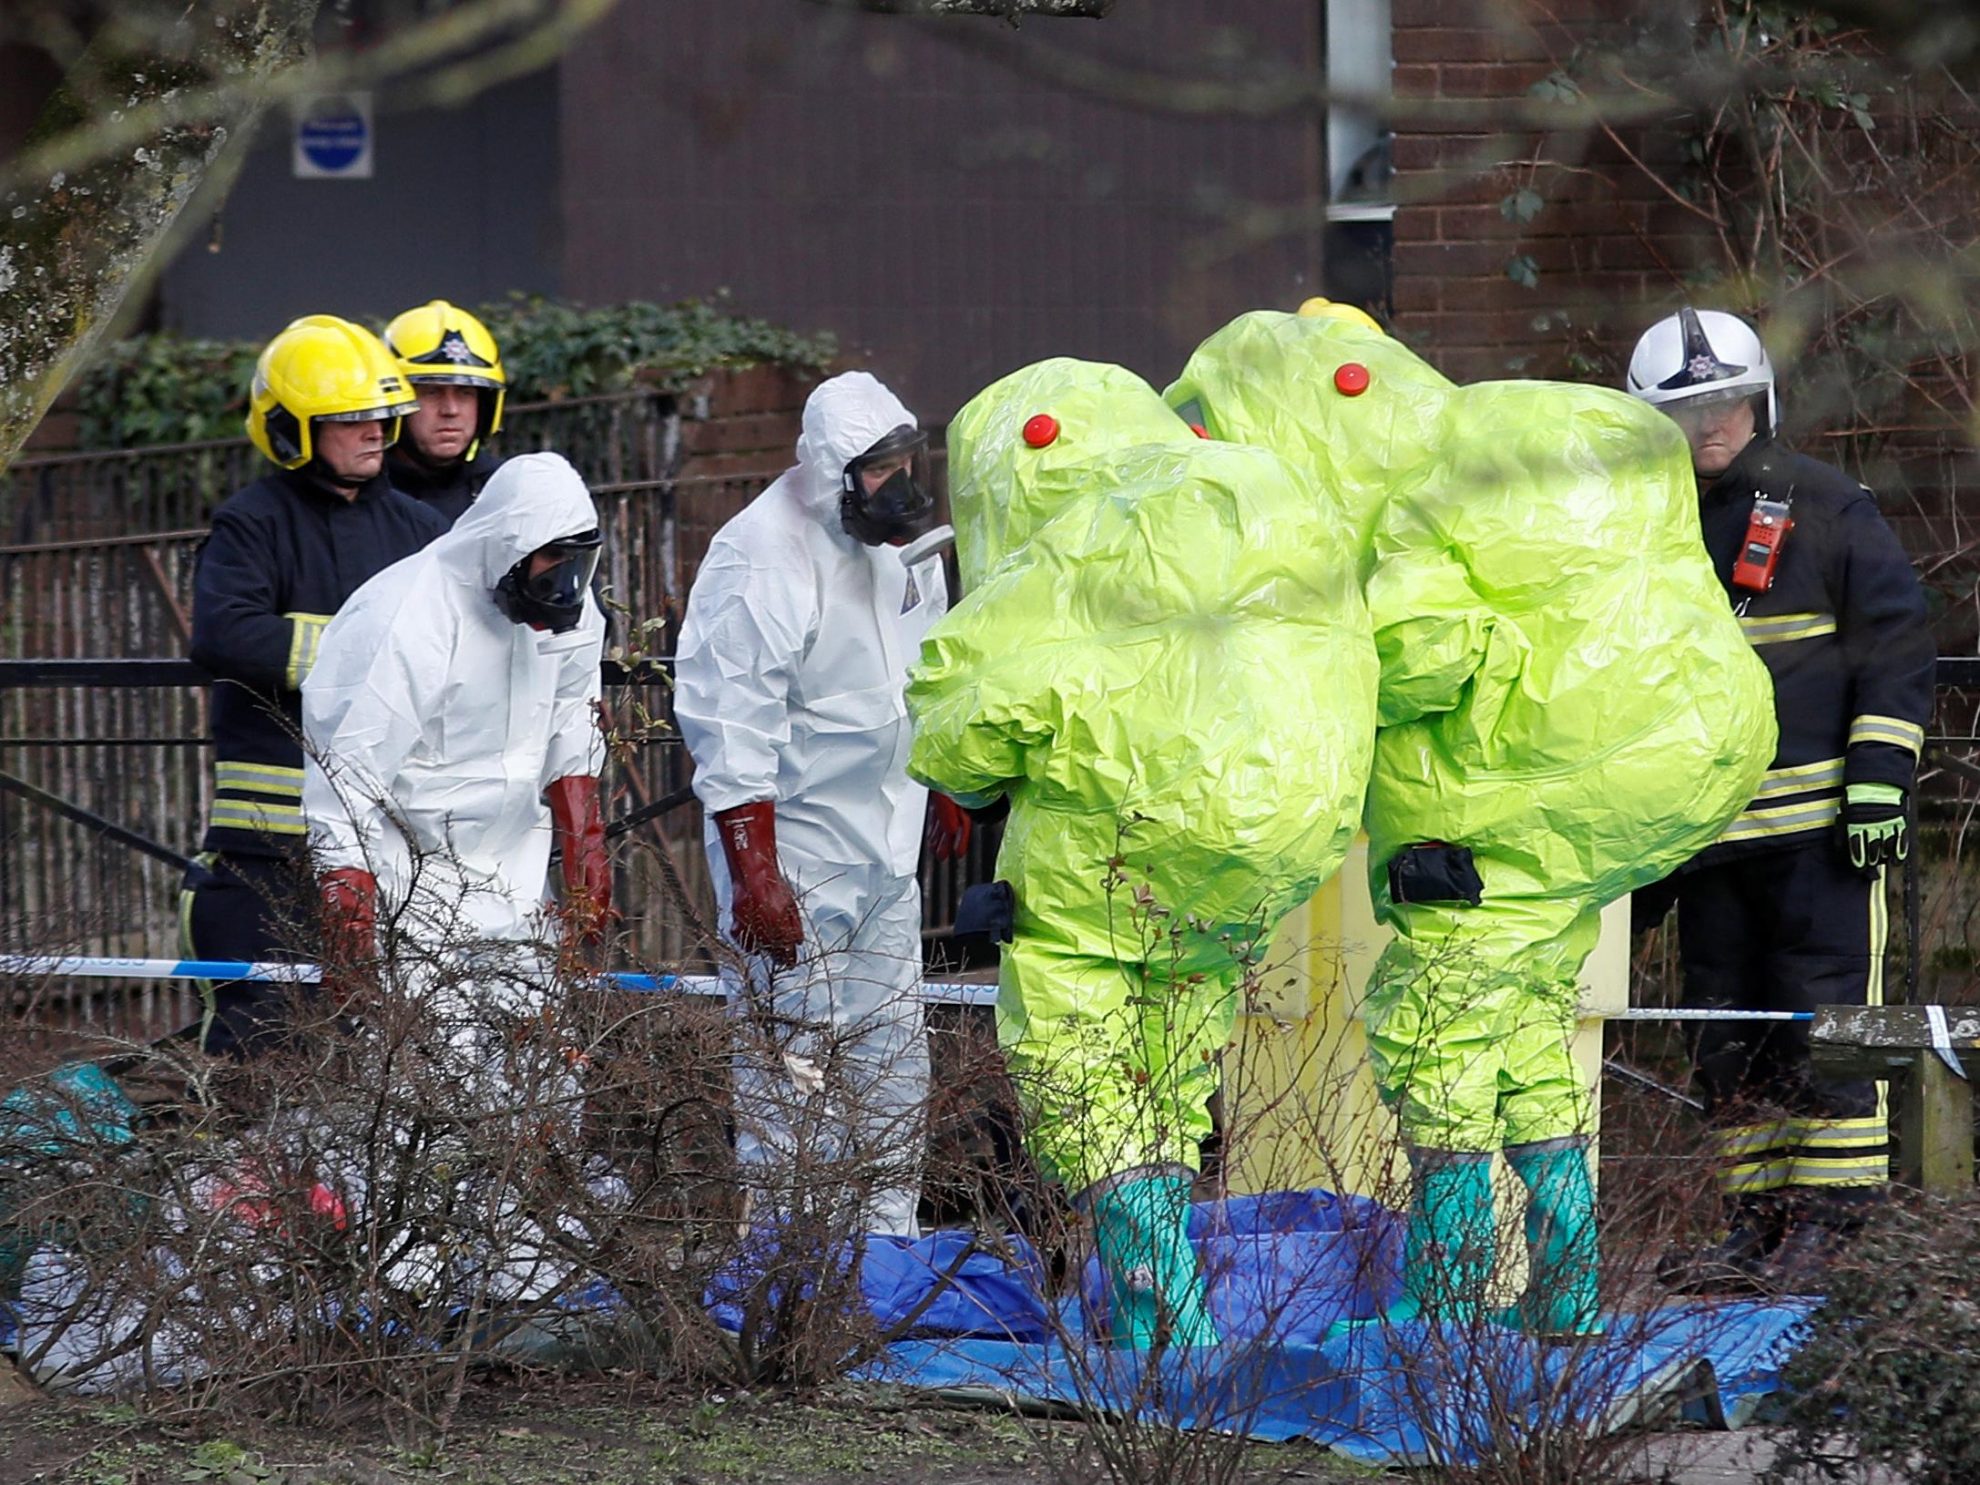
465,1154
471,1155
462,1155
1885,1384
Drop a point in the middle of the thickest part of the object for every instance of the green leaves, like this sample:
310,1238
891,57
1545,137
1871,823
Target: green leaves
1555,87
555,350
164,389
1522,270
1522,206
168,389
1885,1374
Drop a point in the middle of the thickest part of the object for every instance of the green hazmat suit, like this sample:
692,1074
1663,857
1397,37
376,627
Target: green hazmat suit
1163,659
1564,690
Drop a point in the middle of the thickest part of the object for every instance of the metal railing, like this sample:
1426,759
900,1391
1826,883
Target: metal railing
68,887
126,742
131,745
98,710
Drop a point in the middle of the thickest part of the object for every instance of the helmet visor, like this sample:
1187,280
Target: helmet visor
887,495
452,379
1707,406
371,414
557,573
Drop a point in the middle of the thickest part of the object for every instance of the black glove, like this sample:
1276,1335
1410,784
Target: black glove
988,908
1875,827
1435,871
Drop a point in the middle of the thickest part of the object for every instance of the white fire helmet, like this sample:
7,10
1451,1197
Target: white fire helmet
1702,355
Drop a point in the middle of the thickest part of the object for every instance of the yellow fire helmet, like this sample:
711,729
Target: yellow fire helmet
322,369
1322,308
441,344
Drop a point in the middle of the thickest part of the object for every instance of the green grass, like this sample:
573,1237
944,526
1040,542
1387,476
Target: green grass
626,1432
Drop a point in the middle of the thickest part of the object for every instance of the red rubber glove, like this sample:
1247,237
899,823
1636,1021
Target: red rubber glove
350,919
763,913
947,835
579,820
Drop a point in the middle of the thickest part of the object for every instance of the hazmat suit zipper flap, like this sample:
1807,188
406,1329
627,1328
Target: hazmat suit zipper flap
888,591
522,755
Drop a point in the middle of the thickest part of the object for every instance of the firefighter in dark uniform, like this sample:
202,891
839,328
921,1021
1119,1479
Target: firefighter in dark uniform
1787,910
455,369
283,555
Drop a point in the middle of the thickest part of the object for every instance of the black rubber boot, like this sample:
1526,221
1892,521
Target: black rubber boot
1735,1264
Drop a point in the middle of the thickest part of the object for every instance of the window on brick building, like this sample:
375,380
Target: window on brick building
1359,252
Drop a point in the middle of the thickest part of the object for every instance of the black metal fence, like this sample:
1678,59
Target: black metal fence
133,749
124,741
129,743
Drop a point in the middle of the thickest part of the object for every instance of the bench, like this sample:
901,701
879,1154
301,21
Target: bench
1936,1104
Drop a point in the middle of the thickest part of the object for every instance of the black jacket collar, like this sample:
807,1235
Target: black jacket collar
416,477
306,486
1749,470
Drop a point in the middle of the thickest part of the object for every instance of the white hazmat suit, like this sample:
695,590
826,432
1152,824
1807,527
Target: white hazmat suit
789,688
433,723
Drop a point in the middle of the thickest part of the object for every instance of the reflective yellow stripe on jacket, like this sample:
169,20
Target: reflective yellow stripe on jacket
1893,730
1750,1139
258,817
305,635
1775,629
1784,819
1802,778
230,777
265,798
1841,1152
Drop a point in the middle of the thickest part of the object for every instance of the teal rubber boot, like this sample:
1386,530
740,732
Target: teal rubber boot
1451,1244
1562,1299
1154,1287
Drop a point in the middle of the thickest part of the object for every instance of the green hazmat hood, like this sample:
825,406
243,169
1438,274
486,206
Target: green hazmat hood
1001,489
1288,383
1563,682
1564,685
1564,689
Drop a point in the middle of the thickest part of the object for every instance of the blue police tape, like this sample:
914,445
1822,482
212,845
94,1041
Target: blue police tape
942,992
41,966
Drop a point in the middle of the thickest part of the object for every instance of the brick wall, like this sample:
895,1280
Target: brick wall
743,423
739,431
1612,248
1609,246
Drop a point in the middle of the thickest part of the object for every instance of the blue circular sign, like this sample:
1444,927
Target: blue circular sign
333,136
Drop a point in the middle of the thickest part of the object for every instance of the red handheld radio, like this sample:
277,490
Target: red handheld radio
1760,551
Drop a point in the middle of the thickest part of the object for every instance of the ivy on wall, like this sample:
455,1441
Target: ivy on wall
168,389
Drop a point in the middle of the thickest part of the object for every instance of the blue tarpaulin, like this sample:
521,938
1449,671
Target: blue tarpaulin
1281,1269
944,1284
1287,1264
1410,1394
